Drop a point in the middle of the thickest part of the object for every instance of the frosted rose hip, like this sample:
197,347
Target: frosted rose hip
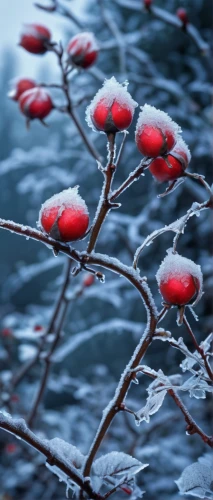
83,50
35,38
18,87
180,280
112,108
36,103
182,15
65,216
172,166
156,133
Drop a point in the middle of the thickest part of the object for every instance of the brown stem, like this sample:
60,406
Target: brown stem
19,429
104,205
48,362
198,348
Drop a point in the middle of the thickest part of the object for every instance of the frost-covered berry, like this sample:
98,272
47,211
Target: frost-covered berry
19,86
89,280
112,108
83,50
36,103
156,133
172,166
180,280
65,216
35,38
183,16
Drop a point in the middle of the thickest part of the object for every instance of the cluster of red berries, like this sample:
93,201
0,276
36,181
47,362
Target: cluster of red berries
34,101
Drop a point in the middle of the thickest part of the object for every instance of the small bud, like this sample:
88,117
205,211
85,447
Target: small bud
112,108
35,38
182,15
173,165
38,328
19,86
147,4
180,280
65,216
10,448
83,50
36,103
6,332
156,133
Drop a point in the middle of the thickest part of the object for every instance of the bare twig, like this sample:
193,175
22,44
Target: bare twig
198,348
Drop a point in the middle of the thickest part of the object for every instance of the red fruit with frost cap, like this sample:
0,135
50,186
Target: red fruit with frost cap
36,103
18,87
83,50
156,133
35,38
65,216
179,280
112,108
172,166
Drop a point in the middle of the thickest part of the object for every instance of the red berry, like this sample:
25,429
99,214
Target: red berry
83,50
182,15
36,103
7,332
179,280
147,3
167,169
19,87
112,108
156,133
65,216
14,398
38,328
89,280
35,38
10,448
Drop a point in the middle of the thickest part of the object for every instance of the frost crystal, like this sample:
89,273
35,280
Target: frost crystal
175,265
112,90
181,147
68,198
154,117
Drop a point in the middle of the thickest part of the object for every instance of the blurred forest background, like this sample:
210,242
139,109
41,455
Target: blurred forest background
164,69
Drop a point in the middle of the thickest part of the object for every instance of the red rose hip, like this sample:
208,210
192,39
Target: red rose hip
156,133
36,103
65,216
112,108
89,280
183,16
35,38
179,280
172,166
19,86
82,50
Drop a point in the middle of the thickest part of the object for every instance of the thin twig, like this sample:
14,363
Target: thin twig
198,348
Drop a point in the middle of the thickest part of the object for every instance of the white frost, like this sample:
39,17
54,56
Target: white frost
86,42
180,147
175,265
117,463
112,90
154,117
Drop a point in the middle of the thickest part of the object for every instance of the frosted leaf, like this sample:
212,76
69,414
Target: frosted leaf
154,117
85,41
154,402
68,451
175,265
116,464
196,480
110,91
181,147
69,198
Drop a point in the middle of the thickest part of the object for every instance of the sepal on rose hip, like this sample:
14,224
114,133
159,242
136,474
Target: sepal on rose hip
36,103
180,280
112,108
64,216
35,38
172,166
18,86
156,133
83,50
